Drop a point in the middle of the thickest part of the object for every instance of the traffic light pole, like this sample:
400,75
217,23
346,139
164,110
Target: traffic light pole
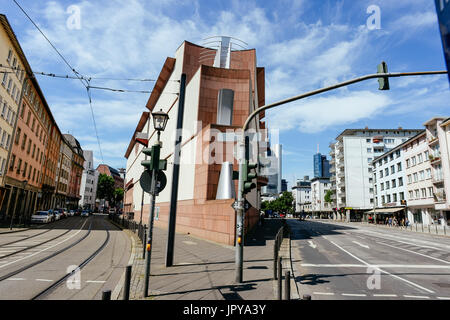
148,256
243,156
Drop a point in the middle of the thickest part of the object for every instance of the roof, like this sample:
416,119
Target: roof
422,132
351,132
74,144
139,128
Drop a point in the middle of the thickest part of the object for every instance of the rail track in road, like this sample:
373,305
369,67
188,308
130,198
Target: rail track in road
57,283
13,273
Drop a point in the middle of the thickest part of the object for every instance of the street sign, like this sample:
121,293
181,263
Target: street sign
146,181
443,12
247,205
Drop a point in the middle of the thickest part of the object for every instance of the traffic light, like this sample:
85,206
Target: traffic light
154,163
248,177
383,81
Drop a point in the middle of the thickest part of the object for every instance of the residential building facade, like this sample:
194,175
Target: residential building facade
320,207
12,75
89,182
302,196
352,155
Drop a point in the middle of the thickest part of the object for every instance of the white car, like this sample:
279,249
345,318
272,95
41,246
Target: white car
41,217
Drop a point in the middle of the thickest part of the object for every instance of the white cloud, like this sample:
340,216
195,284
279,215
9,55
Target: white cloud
322,113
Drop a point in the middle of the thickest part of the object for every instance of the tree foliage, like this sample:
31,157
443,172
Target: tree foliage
105,187
328,195
283,204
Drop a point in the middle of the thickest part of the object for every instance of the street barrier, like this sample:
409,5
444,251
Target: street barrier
126,287
287,286
280,277
106,295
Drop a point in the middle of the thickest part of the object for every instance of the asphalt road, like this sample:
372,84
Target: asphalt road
341,261
33,261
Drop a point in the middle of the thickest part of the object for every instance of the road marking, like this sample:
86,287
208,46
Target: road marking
417,297
16,279
411,266
354,294
95,281
190,242
361,245
392,275
312,245
385,295
324,293
421,254
412,241
443,298
44,280
7,264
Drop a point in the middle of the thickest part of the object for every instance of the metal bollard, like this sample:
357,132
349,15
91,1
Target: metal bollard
126,287
275,259
306,297
143,243
106,295
287,286
280,278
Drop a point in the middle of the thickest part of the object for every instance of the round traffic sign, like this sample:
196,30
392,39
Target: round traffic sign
146,181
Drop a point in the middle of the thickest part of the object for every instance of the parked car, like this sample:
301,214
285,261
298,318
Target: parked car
56,214
72,213
41,217
112,211
62,213
84,213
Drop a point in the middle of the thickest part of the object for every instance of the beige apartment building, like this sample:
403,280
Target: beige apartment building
12,74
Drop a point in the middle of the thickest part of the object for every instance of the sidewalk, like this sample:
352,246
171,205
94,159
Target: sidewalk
206,270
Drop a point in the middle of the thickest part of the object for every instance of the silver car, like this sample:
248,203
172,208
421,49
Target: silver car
41,217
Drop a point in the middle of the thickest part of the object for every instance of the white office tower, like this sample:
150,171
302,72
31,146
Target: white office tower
89,180
351,170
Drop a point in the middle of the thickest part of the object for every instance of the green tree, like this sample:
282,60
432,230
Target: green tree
328,195
118,195
105,187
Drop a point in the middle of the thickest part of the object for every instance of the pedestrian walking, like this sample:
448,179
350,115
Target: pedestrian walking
390,222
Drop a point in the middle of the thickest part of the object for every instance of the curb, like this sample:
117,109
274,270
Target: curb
17,231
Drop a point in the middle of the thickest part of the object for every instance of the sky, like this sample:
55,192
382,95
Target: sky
302,44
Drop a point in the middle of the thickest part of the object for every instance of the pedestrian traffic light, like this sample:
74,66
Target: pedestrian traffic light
383,81
154,163
248,177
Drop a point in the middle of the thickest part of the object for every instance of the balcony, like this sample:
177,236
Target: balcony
432,141
439,196
341,184
332,152
332,161
435,159
439,179
340,156
332,170
341,174
332,178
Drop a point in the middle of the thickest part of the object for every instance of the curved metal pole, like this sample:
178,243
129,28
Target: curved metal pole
336,86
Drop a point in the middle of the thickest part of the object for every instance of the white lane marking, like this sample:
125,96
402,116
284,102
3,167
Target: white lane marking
420,254
392,275
361,245
312,245
416,297
4,265
411,266
44,280
412,241
443,298
324,293
354,294
16,279
385,295
95,281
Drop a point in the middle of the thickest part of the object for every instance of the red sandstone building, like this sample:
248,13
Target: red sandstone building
223,87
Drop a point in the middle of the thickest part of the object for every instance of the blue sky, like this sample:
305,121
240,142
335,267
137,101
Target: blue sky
303,45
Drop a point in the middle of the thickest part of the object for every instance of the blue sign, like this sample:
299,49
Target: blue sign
443,11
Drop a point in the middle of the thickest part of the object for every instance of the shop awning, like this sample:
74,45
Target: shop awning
386,210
